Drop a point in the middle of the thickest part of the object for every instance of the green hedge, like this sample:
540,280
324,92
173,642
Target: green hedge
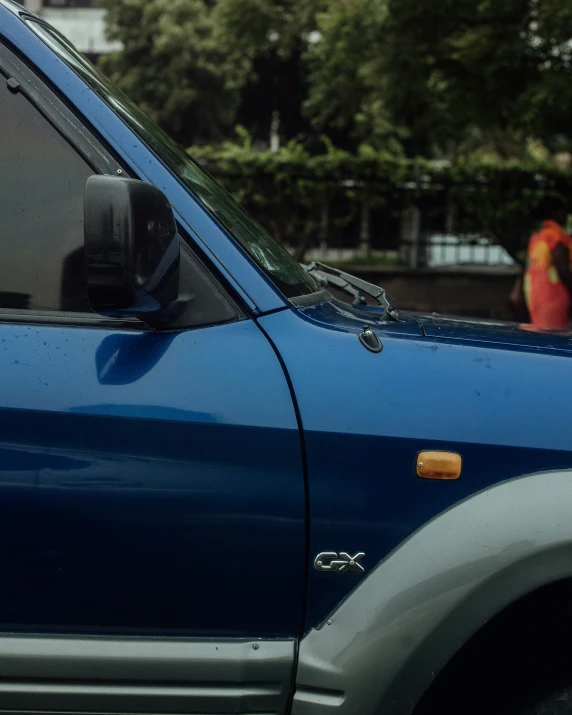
288,190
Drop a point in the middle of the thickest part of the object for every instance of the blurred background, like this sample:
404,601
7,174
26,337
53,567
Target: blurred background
407,141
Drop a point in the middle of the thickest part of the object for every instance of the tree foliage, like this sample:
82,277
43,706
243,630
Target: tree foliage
427,78
343,100
199,66
273,35
444,76
255,26
176,64
459,69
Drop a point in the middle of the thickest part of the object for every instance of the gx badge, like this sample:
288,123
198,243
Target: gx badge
331,561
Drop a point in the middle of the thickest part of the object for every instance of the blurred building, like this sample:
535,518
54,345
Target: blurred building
81,21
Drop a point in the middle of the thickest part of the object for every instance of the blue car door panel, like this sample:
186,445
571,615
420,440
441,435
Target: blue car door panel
157,503
150,482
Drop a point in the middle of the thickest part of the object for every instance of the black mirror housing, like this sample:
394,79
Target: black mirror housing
131,248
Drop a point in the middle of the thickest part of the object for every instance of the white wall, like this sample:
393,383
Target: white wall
83,26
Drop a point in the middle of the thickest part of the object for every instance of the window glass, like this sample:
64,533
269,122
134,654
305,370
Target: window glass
42,182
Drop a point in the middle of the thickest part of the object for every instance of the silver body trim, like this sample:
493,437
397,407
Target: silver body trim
144,675
381,648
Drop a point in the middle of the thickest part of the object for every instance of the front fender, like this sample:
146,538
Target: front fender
381,648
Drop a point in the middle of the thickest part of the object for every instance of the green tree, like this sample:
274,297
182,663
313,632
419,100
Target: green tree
177,65
344,99
273,35
460,70
201,66
446,77
258,25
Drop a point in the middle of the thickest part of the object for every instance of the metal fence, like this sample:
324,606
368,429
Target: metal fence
421,223
407,238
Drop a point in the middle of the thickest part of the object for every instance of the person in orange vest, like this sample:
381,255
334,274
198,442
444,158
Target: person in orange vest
548,276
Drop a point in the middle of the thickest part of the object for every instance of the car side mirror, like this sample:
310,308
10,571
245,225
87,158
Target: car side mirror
131,249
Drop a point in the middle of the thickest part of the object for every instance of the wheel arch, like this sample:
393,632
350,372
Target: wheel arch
383,646
518,661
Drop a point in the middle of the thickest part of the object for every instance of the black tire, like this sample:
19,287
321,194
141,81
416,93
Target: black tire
559,703
519,664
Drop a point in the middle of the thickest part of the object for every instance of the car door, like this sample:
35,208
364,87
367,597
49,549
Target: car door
152,536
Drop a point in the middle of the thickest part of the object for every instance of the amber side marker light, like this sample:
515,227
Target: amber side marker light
439,465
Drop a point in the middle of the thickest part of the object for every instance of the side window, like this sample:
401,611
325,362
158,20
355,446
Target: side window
42,182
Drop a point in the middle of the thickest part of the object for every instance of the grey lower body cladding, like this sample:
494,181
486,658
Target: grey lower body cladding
143,675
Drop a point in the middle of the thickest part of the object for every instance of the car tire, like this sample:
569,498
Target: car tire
559,703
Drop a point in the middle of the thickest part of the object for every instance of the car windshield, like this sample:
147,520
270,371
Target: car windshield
286,274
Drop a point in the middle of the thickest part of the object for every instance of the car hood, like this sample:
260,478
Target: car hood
341,316
496,332
338,315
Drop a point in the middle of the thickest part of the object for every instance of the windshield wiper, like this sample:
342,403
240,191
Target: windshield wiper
356,287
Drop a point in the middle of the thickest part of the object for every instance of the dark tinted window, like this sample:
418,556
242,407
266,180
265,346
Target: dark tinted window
42,181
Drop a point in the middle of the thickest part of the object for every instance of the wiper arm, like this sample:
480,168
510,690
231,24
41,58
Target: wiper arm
326,279
354,286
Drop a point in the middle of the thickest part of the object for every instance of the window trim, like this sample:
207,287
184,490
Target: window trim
67,124
69,320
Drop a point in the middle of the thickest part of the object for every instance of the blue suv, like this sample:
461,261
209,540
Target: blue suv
224,491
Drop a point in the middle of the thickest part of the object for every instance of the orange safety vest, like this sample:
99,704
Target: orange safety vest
547,297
